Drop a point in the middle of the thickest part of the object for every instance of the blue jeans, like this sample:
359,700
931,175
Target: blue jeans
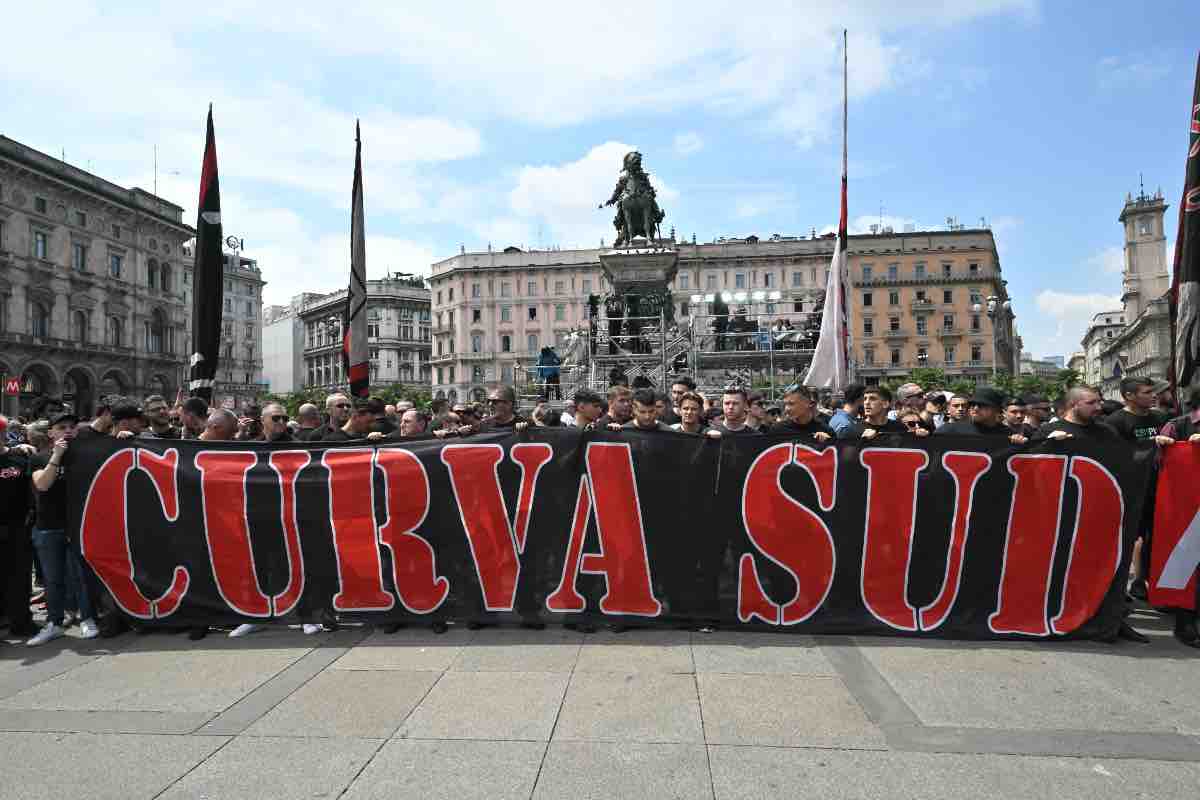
62,573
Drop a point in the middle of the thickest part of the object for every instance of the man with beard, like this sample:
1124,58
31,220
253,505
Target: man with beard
620,406
736,409
1081,420
356,427
159,417
876,400
985,409
799,406
1037,413
337,412
645,414
193,417
275,424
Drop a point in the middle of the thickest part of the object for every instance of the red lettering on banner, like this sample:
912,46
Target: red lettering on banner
1030,543
1176,551
287,465
1095,544
566,597
494,541
104,533
622,558
355,539
888,533
789,534
406,487
227,529
966,469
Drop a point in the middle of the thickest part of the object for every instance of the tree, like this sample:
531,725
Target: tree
391,394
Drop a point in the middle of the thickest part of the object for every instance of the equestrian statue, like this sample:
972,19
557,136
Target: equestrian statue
638,213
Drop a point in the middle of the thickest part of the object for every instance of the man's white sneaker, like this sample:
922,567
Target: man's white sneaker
245,629
88,629
311,627
47,633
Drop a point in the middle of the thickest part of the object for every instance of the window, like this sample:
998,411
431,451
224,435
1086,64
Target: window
922,355
249,308
560,287
81,219
478,373
684,311
894,297
948,322
156,332
116,231
533,312
1145,228
867,272
797,278
975,322
867,299
710,282
39,205
895,358
228,285
79,257
921,298
976,352
922,326
506,373
531,342
869,356
947,296
798,307
506,313
152,274
739,280
79,327
506,289
439,298
949,350
249,332
976,297
227,330
476,343
39,320
770,308
474,290
476,315
39,245
893,323
918,270
868,327
973,269
893,271
947,269
451,296
116,331
164,277
506,344
560,313
685,282
769,280
228,304
587,284
531,288
114,265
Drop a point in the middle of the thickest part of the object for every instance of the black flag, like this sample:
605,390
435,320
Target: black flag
354,322
207,276
1185,284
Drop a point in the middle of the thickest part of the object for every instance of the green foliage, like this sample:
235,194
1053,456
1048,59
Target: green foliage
419,396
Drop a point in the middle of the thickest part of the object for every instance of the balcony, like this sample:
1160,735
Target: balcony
448,358
482,356
896,334
949,333
922,305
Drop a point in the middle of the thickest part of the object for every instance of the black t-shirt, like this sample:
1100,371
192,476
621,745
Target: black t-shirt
169,433
855,431
633,426
606,420
52,503
338,435
491,424
1134,428
14,488
1097,431
968,427
86,431
809,429
743,431
669,417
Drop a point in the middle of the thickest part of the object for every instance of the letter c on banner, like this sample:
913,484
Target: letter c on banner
104,532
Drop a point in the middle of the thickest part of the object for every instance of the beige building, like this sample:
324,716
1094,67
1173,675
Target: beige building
494,310
1104,328
93,284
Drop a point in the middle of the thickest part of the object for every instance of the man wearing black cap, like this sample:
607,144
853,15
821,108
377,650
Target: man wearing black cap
56,553
985,418
127,421
357,427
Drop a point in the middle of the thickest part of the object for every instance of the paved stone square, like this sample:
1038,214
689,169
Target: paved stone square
514,713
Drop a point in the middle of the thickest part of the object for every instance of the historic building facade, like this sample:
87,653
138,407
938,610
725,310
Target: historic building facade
911,296
1104,327
93,284
398,331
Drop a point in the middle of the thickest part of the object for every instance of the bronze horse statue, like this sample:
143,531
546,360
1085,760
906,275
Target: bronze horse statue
638,213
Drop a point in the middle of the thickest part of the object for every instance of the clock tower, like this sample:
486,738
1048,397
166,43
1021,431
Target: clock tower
1145,276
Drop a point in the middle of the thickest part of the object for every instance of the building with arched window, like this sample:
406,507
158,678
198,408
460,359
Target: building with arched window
90,300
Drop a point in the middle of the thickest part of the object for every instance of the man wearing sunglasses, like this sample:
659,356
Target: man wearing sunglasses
337,410
1037,413
275,424
986,418
360,423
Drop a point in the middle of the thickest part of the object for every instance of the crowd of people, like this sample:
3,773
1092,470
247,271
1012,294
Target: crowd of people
34,540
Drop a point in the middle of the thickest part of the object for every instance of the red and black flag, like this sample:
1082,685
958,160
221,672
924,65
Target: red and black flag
354,322
1185,284
207,276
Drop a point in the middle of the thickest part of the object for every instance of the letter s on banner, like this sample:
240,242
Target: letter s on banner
104,532
789,534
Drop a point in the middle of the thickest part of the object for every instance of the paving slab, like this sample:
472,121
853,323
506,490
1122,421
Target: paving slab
103,721
449,770
637,707
1007,686
171,679
783,711
253,768
122,767
347,703
489,705
758,772
612,771
23,667
408,649
763,653
517,649
637,651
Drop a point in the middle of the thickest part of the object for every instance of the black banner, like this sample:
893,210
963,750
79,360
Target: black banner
943,536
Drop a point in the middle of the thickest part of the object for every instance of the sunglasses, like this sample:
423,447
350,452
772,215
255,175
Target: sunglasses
279,418
912,424
341,405
493,401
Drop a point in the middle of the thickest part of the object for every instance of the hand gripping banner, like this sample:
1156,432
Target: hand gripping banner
949,536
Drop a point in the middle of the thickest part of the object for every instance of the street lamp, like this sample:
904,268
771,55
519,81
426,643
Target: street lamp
994,305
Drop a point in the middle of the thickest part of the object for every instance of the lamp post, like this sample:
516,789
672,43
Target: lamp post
994,306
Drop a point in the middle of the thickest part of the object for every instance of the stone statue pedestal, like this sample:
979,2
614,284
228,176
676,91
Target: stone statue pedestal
640,270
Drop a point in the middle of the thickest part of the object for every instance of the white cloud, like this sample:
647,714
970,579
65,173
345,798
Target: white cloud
1070,312
688,143
1110,261
1120,72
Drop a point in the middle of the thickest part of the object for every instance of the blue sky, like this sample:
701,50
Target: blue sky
504,124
